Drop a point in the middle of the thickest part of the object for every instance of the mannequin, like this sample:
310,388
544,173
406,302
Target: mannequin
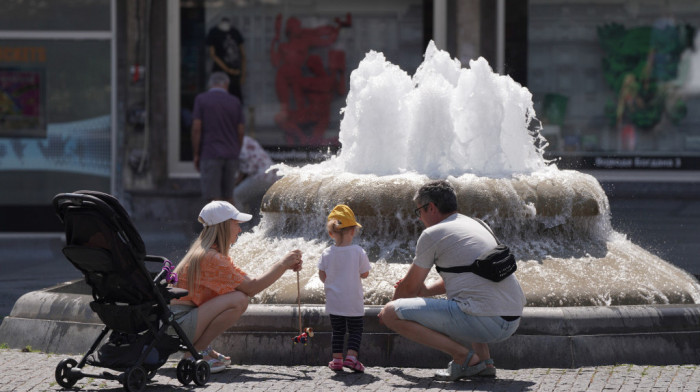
225,45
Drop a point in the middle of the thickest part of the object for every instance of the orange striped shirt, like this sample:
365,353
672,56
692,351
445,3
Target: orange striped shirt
218,275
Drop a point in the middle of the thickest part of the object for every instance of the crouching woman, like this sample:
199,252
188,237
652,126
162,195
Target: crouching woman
218,290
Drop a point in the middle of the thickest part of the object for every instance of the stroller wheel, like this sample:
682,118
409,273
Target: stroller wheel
201,372
64,375
185,371
152,374
135,380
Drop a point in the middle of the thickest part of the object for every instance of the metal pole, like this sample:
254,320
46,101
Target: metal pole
113,96
440,24
500,36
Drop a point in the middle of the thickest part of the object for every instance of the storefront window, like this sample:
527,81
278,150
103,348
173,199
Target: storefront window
617,84
55,15
55,108
54,119
297,60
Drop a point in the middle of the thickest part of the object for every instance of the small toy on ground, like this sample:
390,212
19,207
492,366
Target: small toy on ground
305,335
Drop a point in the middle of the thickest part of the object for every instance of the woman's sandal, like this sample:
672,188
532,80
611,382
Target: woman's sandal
455,371
221,357
215,365
354,365
490,370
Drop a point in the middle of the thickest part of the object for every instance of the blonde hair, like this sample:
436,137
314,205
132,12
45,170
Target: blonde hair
333,227
216,238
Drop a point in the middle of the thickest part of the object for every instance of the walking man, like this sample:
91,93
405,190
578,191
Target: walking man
217,137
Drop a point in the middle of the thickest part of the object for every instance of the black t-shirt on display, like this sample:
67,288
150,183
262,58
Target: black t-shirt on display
226,46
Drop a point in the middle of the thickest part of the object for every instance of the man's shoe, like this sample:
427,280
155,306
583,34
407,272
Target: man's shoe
455,372
489,371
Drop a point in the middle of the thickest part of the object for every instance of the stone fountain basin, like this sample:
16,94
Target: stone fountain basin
594,298
557,223
59,320
542,201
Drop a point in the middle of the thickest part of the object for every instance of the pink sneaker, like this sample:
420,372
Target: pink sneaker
354,365
336,364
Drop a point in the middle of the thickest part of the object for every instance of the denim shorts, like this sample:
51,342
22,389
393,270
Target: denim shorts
446,317
186,316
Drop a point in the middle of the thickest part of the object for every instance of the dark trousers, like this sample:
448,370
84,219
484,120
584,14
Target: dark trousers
234,87
354,327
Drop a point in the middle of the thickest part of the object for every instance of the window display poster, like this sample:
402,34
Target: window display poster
22,101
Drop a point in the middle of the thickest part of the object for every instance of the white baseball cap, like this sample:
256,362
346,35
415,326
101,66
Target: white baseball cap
219,211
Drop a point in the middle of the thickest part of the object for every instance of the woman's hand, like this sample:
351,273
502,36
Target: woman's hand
293,260
253,285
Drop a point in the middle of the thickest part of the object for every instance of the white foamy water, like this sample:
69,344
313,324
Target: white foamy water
474,128
444,121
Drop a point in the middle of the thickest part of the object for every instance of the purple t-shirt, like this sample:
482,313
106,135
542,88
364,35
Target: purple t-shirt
221,113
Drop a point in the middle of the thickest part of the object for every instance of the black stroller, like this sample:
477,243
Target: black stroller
104,245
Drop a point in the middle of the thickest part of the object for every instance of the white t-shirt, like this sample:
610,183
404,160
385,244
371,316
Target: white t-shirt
343,266
458,240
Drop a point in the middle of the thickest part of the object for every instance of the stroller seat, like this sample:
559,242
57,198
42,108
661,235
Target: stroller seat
103,244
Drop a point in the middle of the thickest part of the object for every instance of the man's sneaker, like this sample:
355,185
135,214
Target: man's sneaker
455,372
489,371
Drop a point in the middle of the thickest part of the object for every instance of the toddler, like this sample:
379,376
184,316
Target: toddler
341,268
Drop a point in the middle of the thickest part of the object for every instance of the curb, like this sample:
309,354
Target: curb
569,337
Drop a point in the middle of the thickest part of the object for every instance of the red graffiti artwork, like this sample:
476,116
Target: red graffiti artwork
304,86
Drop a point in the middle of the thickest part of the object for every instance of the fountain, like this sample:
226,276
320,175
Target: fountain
593,297
474,128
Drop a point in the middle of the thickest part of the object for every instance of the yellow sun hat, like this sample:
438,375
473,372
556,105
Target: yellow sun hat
344,215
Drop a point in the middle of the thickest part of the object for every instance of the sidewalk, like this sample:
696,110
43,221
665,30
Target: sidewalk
35,372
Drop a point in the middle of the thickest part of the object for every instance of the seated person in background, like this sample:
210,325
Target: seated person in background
253,178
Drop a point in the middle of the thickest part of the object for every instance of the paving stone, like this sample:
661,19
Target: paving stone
34,372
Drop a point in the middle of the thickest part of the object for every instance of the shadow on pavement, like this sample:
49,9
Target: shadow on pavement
469,384
354,379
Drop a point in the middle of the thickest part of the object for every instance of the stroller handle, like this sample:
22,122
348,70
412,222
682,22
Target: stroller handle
62,201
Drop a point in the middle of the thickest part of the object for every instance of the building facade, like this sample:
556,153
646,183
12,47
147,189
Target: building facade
98,94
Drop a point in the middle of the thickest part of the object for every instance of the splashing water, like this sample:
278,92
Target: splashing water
472,127
445,121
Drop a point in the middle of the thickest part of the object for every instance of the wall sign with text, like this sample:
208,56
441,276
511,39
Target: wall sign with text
22,102
628,162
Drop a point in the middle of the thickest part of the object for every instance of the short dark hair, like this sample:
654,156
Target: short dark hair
219,79
439,192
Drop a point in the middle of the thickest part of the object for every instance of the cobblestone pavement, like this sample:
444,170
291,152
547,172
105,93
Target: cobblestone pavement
32,371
